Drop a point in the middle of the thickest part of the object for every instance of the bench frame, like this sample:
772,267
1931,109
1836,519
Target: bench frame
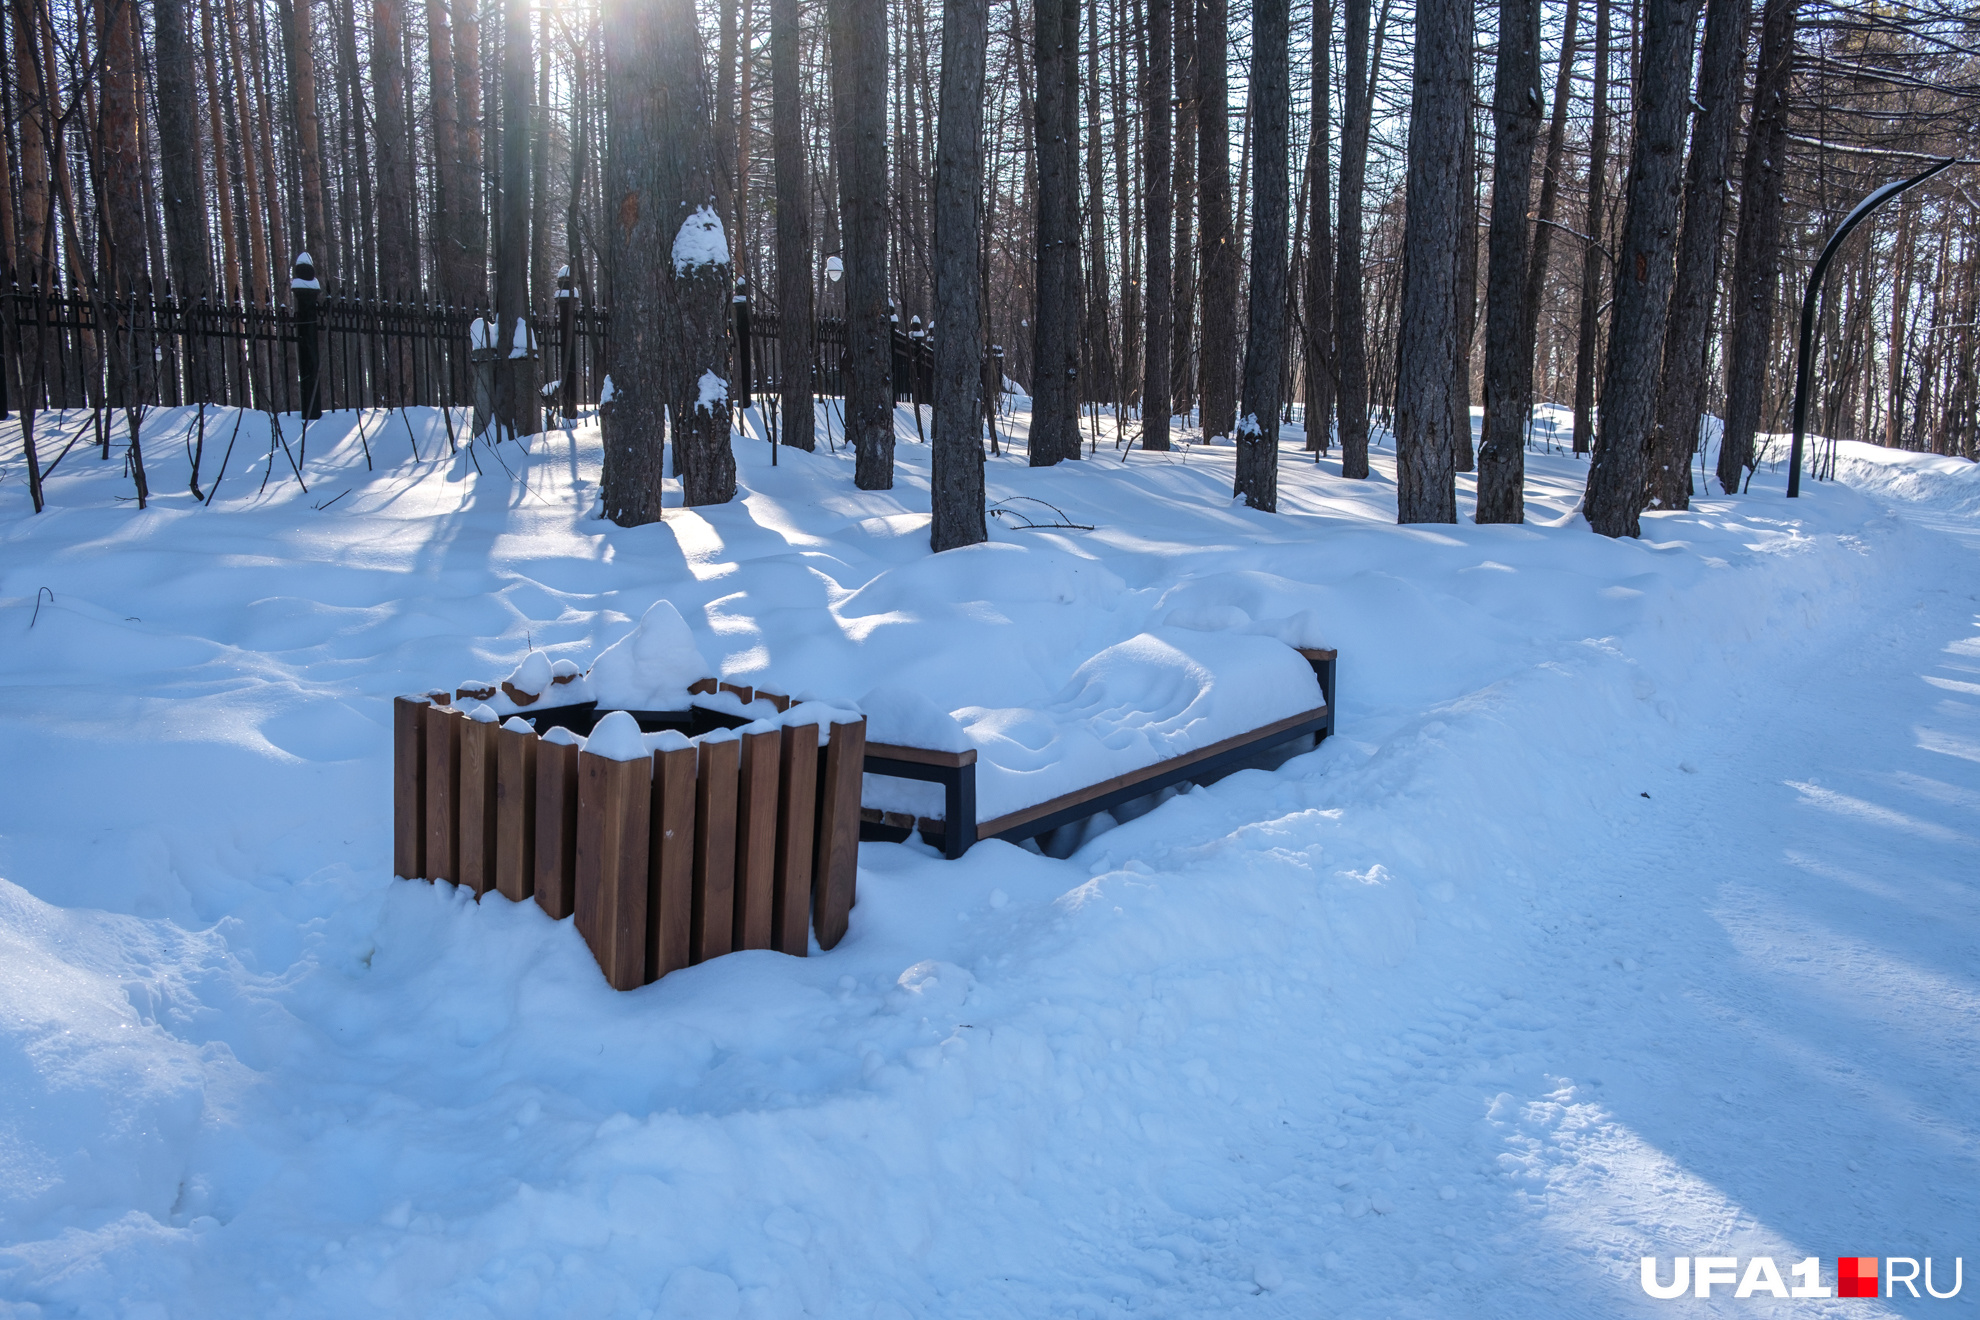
956,773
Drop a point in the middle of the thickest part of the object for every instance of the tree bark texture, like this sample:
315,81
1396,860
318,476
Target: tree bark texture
1426,480
859,93
468,202
1350,317
1757,249
956,489
516,400
1464,284
794,251
1216,358
1645,255
1055,334
1257,430
1681,394
1592,257
309,136
1550,193
669,328
1158,215
1508,355
1318,323
184,181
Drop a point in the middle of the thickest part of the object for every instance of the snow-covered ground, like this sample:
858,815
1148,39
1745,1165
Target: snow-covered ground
1633,911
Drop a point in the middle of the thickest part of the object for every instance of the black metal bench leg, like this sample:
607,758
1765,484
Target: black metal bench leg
959,809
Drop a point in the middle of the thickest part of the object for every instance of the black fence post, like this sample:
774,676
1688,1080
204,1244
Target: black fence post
744,358
307,290
995,392
567,356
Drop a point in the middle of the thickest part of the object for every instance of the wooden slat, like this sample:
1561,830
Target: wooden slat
476,859
777,699
744,692
1012,820
838,832
670,864
921,755
443,781
797,820
1318,652
614,806
756,839
409,787
515,814
702,687
556,828
715,850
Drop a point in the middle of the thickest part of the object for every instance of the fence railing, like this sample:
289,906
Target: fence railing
70,348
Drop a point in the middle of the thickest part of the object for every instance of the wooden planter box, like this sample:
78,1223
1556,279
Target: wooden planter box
671,860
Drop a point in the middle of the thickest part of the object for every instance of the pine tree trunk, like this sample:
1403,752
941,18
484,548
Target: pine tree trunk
37,238
469,205
859,94
542,283
1182,375
447,187
184,197
309,138
1508,351
1681,394
956,490
1757,249
1464,280
1591,250
1318,322
669,326
1550,191
1351,330
1618,472
1426,482
794,251
1158,166
1265,343
1216,370
119,167
515,392
1055,338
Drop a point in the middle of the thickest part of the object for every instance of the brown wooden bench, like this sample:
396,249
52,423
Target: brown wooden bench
956,773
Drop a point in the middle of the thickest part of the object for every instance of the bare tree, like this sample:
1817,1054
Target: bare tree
794,251
1618,471
1055,338
1318,323
1216,370
1681,393
1426,482
1257,433
859,94
956,490
1351,331
1756,259
1591,244
1508,359
1158,216
669,347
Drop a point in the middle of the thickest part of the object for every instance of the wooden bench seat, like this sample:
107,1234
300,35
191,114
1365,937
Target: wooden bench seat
956,773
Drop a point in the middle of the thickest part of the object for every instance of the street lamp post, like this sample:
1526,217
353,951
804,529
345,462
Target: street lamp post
1801,364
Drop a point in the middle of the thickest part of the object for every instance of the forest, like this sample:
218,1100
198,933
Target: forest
1198,218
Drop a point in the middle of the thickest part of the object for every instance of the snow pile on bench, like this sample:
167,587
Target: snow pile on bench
1155,696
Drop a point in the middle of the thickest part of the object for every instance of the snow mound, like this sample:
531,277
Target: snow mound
909,719
651,667
617,738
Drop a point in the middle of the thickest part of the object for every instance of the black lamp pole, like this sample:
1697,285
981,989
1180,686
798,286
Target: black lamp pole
1801,363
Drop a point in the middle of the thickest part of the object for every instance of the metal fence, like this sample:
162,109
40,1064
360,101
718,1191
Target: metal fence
68,348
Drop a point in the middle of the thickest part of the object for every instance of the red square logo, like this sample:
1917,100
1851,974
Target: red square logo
1856,1276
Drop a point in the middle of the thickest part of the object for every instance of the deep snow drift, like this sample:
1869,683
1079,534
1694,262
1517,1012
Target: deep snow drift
1632,911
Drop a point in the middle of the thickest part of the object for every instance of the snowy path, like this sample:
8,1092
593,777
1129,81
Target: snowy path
1446,1018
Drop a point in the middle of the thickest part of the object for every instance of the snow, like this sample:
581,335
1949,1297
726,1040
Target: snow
651,667
523,342
481,333
607,392
1630,912
714,392
617,738
700,242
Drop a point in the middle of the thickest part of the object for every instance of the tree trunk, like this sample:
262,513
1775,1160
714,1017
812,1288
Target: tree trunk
119,168
470,209
398,266
1182,378
516,400
1318,323
309,138
956,490
448,188
1681,394
1099,336
1757,249
542,283
1158,167
1591,243
1216,374
1620,467
1508,351
669,257
859,94
1464,281
184,196
1055,340
1351,331
1550,192
1426,482
794,252
1265,343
